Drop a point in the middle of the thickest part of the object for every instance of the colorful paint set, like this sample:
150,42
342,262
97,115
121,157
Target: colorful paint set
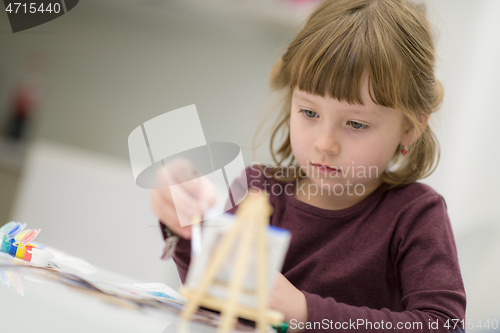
15,240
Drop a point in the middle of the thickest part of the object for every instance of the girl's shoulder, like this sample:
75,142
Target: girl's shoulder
414,194
415,209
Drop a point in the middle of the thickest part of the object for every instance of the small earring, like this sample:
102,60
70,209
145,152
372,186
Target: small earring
404,150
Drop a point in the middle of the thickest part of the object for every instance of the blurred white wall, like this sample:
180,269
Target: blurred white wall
88,206
114,65
469,49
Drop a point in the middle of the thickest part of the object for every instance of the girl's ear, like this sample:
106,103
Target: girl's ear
410,135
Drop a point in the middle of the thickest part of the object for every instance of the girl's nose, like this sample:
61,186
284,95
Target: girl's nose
326,143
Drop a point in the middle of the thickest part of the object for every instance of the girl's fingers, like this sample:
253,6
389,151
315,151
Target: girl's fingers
202,191
169,215
183,175
187,192
172,222
182,203
156,202
179,170
208,194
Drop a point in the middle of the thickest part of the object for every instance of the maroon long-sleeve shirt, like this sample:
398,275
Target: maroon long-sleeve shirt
388,263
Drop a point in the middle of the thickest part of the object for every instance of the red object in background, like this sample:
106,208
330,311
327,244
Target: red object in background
25,100
26,97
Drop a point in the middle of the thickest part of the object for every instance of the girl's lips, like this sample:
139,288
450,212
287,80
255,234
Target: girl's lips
324,169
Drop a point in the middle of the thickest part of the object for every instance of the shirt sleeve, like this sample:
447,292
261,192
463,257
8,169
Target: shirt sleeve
181,255
425,258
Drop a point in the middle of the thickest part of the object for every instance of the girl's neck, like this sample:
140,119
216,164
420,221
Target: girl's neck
332,201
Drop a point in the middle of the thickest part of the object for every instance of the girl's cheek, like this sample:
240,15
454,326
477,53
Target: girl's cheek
366,159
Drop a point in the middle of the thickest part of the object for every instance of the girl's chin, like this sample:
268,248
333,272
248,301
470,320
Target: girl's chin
327,181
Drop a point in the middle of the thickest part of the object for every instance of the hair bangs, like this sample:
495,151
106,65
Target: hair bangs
333,61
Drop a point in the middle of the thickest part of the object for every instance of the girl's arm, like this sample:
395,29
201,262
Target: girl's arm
433,296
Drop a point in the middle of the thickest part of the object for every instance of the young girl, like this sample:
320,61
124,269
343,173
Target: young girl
371,248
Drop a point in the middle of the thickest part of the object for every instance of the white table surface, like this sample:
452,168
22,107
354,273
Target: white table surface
41,305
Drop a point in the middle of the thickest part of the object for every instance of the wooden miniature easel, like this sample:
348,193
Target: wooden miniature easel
252,219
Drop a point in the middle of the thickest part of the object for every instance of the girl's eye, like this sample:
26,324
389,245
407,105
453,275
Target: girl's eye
308,113
356,125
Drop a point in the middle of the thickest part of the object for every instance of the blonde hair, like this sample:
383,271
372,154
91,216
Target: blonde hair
343,39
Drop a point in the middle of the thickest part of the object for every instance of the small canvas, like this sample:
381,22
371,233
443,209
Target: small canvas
213,230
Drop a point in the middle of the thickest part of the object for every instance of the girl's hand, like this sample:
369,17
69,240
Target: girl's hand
289,300
193,196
